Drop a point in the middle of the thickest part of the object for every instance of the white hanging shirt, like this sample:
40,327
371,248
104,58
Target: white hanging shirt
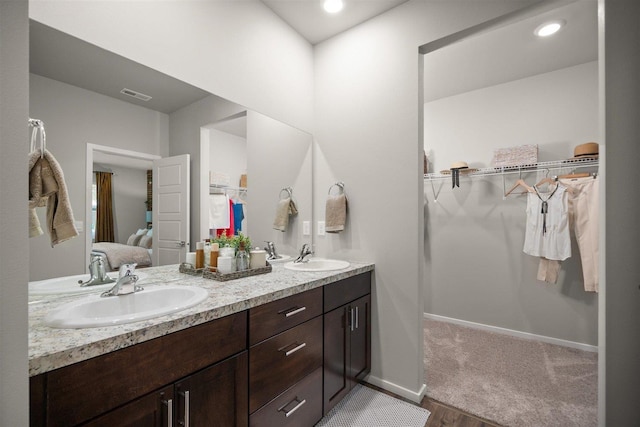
547,234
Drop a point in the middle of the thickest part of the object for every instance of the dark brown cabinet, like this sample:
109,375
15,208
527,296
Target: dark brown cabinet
347,337
137,382
215,396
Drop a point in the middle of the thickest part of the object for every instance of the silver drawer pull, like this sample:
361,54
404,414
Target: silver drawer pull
357,317
185,423
296,348
295,311
295,408
169,404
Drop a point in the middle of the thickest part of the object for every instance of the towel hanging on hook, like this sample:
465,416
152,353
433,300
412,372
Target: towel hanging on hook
336,210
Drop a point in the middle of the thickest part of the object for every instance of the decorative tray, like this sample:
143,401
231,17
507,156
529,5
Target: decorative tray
223,277
187,268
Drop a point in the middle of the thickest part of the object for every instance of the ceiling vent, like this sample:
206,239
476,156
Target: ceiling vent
135,94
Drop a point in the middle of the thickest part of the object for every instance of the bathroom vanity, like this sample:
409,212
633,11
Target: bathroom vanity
277,349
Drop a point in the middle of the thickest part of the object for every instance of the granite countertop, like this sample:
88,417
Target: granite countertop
51,348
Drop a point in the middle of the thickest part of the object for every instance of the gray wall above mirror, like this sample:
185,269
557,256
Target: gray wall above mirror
81,105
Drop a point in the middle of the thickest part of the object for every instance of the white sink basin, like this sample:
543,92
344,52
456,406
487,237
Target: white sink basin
283,258
151,302
70,285
317,264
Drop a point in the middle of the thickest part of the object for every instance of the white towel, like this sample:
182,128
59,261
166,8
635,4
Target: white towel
219,211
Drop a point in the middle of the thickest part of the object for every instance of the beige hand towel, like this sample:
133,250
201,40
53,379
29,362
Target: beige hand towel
335,213
286,208
46,183
282,215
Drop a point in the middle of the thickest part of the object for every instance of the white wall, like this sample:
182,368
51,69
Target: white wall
74,117
556,111
475,269
14,253
239,50
228,155
367,114
129,194
279,157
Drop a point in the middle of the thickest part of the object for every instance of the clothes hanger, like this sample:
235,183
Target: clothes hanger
575,175
547,180
519,183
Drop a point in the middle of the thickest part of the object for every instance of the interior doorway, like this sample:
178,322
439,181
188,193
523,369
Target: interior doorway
488,96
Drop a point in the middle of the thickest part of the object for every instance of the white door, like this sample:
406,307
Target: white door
170,210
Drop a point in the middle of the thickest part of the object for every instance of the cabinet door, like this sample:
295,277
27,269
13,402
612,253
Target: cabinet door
215,396
360,362
152,410
336,356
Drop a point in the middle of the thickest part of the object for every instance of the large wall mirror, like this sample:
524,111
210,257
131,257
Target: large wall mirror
92,103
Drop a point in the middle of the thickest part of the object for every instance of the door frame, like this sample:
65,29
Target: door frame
91,149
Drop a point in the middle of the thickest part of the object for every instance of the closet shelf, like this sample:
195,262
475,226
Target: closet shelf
533,167
570,165
224,189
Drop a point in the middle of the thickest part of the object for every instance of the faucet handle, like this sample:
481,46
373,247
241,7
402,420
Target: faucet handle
127,269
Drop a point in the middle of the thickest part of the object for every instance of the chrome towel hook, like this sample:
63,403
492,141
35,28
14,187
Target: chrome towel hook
37,125
289,192
338,184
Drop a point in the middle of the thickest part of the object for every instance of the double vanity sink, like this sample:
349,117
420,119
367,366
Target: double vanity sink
155,301
67,325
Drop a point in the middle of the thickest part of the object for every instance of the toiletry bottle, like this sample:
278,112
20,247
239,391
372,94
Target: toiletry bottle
207,252
213,258
200,255
242,258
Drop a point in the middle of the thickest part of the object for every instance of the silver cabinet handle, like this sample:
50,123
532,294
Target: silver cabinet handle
295,408
295,311
169,404
186,407
357,317
296,348
351,313
181,244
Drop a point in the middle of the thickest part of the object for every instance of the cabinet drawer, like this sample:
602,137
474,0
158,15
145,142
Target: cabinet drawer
279,362
270,319
299,406
346,290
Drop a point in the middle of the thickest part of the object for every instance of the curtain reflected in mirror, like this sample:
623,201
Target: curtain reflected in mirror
104,208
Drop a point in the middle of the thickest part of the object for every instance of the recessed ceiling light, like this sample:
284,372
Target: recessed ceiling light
333,6
549,28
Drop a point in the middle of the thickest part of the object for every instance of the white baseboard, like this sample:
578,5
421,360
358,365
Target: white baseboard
518,334
396,389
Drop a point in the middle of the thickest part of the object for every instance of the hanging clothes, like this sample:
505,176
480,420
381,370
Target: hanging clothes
238,216
228,231
218,211
583,205
547,229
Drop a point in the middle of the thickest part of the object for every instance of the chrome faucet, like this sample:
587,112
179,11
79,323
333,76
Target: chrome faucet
303,253
97,272
126,283
271,251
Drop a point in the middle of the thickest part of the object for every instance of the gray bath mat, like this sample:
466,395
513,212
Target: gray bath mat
365,407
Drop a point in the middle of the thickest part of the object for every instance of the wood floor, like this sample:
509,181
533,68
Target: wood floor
443,415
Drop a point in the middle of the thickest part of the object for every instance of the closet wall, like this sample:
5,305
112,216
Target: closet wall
475,269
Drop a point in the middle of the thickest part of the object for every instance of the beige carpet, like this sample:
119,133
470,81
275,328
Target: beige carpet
514,382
